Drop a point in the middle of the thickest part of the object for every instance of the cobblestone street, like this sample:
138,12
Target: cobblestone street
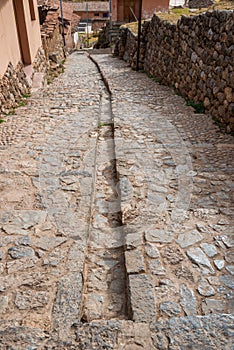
116,217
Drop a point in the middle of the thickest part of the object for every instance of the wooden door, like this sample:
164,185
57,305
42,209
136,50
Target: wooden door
129,9
22,31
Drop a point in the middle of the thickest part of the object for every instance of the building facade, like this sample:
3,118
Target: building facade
94,12
128,10
20,42
20,36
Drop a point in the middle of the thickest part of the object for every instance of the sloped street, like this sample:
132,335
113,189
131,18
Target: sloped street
116,217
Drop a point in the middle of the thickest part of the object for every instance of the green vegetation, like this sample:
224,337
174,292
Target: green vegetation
156,80
198,106
22,104
100,124
177,92
2,121
218,122
173,15
133,26
26,95
180,11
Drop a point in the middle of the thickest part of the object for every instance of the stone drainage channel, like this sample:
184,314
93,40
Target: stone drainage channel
104,276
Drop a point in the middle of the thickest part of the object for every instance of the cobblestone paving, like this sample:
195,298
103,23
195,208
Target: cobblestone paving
176,172
116,217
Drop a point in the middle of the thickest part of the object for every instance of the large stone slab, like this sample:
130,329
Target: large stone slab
198,257
142,298
189,238
159,236
66,309
134,261
188,301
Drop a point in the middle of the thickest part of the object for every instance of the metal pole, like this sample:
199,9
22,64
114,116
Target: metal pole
139,36
61,12
110,21
87,22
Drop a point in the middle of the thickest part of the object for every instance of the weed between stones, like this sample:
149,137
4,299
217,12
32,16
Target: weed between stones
198,106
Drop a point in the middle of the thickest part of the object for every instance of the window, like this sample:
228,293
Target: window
96,14
105,15
32,10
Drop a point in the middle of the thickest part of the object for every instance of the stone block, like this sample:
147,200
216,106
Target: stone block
142,298
198,257
134,261
31,299
66,309
134,240
188,301
189,238
159,236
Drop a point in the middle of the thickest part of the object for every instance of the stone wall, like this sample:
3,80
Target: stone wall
200,3
14,84
40,63
52,42
196,56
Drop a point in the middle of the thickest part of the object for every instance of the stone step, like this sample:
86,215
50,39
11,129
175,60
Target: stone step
28,70
38,81
210,332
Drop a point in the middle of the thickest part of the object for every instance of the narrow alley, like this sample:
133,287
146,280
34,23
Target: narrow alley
116,217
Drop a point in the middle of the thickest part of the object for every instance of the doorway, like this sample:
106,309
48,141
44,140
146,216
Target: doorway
129,10
22,31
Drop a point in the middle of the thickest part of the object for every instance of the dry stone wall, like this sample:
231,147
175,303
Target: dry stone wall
200,3
52,42
14,83
40,63
12,86
196,56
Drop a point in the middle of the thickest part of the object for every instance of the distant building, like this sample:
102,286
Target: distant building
94,13
128,10
177,3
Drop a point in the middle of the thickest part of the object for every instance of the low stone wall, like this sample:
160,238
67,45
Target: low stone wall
200,3
14,84
196,56
40,63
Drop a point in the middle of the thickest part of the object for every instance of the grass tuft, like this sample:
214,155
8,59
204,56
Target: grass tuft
198,106
100,124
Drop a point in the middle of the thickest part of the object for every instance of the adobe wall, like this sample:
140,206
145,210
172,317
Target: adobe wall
196,56
33,29
13,81
10,49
